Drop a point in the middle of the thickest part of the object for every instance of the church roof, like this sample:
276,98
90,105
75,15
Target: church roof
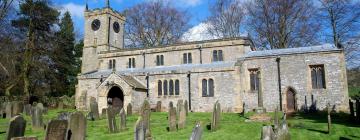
132,81
287,51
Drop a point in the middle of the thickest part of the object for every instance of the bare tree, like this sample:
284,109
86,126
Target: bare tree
4,7
226,17
154,23
282,23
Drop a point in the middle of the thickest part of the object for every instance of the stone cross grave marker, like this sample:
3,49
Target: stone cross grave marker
196,132
111,115
182,117
215,122
16,128
36,117
77,126
94,108
172,117
129,110
56,130
122,120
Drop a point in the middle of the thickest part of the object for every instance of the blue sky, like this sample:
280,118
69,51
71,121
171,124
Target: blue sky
198,9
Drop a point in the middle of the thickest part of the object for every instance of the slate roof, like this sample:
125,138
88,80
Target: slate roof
132,81
275,52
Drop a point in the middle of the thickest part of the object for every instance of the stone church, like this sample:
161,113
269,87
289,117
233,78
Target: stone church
202,72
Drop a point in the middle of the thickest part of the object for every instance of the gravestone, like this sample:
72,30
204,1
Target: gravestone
351,106
148,135
111,115
129,110
94,108
139,129
36,117
329,117
24,138
17,108
56,130
186,106
267,133
276,119
16,128
77,126
357,110
215,122
283,131
158,106
27,109
8,110
145,114
122,120
60,105
196,132
172,117
179,103
45,110
90,116
1,110
64,116
103,113
40,105
182,117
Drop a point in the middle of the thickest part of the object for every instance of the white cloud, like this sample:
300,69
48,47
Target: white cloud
198,33
76,11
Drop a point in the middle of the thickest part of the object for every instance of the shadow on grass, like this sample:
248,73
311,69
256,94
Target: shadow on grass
320,131
321,117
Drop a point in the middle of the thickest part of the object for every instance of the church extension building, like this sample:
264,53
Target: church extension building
202,72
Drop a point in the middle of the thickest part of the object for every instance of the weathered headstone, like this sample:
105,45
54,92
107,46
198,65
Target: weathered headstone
215,122
56,130
179,103
129,110
36,117
158,106
16,128
122,120
145,114
139,129
94,108
276,119
196,132
77,126
329,117
17,108
24,138
267,133
182,117
27,109
64,116
60,105
103,113
282,132
186,105
111,115
90,116
172,117
8,110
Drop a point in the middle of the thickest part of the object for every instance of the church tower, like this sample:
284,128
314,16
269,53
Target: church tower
104,31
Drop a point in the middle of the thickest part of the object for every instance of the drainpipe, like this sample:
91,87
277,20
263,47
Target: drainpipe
147,85
279,81
144,59
189,86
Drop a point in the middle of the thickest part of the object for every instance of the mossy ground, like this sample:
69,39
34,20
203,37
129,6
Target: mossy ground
233,127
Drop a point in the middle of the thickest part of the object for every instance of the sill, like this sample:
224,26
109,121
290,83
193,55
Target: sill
207,96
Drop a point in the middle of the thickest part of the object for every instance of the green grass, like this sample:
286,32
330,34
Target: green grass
354,92
233,127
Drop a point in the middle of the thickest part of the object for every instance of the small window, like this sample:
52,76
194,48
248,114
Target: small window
211,88
177,87
204,87
208,88
187,59
112,64
165,87
159,60
131,63
162,60
217,55
159,88
254,79
171,87
220,55
318,77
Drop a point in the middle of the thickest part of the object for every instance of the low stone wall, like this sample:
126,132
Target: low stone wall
50,102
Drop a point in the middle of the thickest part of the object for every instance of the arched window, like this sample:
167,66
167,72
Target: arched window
204,88
318,76
171,87
211,87
165,88
177,87
159,88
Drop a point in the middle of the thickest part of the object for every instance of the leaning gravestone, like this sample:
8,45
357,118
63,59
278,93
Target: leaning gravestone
16,128
145,114
77,126
56,130
172,118
112,120
94,108
27,109
215,122
122,120
129,110
158,106
36,117
196,132
8,110
182,117
186,106
267,133
139,129
17,108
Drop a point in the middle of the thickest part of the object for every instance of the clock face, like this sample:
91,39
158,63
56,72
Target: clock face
95,25
116,27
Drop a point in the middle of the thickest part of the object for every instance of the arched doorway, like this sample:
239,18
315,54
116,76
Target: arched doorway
290,100
115,98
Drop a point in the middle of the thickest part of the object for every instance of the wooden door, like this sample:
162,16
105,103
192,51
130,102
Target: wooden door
290,98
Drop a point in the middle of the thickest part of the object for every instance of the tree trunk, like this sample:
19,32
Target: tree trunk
8,89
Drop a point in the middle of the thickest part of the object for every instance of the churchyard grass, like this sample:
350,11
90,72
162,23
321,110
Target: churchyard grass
232,127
